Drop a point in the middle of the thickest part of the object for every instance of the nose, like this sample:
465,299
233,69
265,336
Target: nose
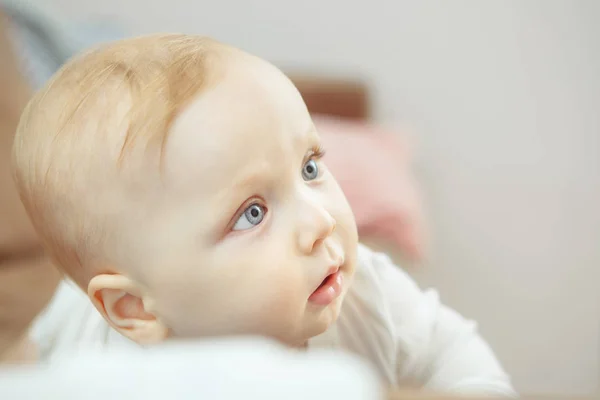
315,224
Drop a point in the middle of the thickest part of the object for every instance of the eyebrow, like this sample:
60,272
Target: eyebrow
254,175
309,135
237,191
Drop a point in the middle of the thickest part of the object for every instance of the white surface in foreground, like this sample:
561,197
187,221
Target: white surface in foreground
224,369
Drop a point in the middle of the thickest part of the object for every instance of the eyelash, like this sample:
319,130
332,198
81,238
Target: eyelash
316,153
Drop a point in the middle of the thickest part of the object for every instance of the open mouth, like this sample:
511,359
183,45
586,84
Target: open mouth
327,281
329,289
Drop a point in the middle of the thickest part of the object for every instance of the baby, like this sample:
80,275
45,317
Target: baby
180,183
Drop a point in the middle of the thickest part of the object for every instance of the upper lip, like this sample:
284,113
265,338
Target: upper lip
335,261
335,267
332,270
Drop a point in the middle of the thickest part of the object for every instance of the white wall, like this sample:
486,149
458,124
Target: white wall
504,97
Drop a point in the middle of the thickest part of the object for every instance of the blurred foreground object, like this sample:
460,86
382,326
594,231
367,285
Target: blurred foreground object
216,370
221,369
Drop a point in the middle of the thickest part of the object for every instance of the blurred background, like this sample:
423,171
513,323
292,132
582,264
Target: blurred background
500,100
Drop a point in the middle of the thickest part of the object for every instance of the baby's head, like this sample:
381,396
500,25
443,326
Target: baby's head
179,182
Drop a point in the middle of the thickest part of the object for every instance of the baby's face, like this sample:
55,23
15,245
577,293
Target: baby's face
252,234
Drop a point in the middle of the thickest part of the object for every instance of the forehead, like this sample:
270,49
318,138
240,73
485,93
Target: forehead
251,119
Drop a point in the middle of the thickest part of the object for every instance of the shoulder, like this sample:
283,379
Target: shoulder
385,315
366,324
411,337
407,306
387,286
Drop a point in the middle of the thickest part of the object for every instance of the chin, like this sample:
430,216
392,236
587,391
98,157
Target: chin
323,319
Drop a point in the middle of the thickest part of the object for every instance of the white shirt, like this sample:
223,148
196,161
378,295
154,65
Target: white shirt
405,333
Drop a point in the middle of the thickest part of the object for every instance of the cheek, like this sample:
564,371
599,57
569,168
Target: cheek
266,287
262,275
182,300
241,290
277,300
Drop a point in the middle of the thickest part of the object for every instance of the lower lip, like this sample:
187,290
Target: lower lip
329,291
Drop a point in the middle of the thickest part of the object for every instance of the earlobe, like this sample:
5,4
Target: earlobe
123,304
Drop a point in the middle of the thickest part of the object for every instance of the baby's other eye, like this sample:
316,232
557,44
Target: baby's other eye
310,171
252,216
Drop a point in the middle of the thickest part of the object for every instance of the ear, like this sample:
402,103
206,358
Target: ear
123,304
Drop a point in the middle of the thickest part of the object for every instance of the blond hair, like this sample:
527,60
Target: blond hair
75,132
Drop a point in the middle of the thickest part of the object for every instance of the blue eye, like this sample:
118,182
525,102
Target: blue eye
310,171
251,217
